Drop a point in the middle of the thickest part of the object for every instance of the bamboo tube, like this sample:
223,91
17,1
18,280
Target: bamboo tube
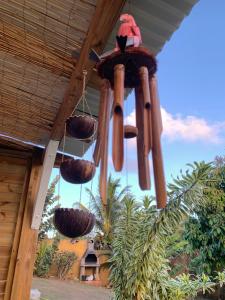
158,110
104,151
160,183
118,128
105,94
142,146
143,71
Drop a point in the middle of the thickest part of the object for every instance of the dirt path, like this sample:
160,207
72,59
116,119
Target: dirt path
53,289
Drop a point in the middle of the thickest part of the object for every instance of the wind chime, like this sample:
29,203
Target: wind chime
73,222
134,67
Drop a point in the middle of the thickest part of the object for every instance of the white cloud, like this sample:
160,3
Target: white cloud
187,128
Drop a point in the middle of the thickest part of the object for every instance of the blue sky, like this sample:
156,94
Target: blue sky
191,80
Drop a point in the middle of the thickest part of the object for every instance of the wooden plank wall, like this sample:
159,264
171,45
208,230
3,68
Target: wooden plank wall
19,177
22,278
13,176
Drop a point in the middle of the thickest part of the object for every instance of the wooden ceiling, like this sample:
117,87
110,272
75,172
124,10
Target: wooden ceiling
39,78
36,64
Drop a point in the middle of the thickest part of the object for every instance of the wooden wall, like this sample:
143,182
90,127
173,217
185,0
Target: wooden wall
19,173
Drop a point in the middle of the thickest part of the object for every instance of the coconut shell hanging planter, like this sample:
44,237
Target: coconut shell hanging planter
80,127
72,222
77,171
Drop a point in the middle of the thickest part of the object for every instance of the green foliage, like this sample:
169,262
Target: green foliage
48,211
139,267
64,261
176,252
185,287
106,217
44,259
205,230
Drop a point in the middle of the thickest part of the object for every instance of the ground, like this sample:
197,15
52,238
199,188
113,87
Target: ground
53,289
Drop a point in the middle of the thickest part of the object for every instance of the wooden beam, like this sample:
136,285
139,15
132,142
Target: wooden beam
103,21
48,164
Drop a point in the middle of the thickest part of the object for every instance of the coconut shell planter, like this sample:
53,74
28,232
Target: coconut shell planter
73,222
80,127
77,171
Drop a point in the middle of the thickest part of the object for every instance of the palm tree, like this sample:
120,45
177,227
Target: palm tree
107,216
139,268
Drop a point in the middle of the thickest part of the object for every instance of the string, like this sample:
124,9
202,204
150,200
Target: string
83,99
85,104
64,141
63,150
59,187
129,7
89,205
126,153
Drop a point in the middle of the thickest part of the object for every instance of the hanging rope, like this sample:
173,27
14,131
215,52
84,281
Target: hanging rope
92,152
59,188
85,105
64,141
63,150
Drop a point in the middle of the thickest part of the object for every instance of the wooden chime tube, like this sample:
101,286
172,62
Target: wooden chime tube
143,72
104,96
142,144
160,183
118,128
104,148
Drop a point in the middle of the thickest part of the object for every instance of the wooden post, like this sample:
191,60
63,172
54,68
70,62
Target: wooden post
48,164
118,128
142,144
104,149
160,183
28,239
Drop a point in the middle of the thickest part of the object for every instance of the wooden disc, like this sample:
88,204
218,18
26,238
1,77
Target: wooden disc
130,132
133,59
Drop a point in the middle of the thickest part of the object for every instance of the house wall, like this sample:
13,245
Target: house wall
79,249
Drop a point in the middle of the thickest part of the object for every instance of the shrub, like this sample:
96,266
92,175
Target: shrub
44,259
64,261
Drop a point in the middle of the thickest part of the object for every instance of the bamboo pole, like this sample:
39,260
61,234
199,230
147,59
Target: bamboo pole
105,95
104,149
143,71
160,183
142,145
118,128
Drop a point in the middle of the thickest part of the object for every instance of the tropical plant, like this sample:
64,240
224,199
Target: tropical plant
44,259
205,230
107,216
139,267
64,261
48,211
185,287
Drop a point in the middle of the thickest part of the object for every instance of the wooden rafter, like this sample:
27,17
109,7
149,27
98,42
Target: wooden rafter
103,21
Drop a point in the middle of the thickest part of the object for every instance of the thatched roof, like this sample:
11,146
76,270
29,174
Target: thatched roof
43,42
